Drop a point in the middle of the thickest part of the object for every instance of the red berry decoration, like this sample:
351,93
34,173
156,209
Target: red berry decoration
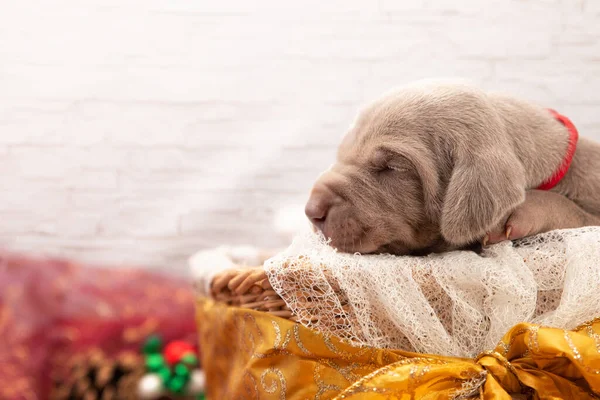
175,351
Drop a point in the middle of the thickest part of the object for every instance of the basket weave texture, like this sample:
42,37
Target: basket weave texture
249,288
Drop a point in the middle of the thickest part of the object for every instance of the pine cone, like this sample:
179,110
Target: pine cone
96,377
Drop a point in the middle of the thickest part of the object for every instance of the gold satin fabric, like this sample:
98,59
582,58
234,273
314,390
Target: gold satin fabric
253,355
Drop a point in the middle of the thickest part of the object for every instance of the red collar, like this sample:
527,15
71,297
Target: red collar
566,162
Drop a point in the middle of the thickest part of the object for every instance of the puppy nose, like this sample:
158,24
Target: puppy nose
317,207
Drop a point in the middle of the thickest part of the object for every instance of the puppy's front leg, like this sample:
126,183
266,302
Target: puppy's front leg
541,212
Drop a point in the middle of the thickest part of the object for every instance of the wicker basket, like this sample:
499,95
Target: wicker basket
249,288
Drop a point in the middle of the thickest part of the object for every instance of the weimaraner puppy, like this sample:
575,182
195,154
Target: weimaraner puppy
435,167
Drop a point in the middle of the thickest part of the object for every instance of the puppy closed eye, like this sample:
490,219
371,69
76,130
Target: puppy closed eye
396,168
384,161
391,169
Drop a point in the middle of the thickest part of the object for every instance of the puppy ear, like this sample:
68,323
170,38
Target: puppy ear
483,188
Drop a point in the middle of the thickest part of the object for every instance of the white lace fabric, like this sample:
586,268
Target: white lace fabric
457,303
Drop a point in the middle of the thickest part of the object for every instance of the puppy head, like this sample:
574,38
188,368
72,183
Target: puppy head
423,169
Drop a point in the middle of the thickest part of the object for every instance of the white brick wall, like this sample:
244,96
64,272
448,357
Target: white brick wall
141,131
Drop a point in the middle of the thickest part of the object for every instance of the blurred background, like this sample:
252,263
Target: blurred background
142,131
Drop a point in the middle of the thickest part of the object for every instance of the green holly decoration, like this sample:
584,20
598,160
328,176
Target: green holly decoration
165,373
152,345
176,384
182,370
175,378
155,362
190,359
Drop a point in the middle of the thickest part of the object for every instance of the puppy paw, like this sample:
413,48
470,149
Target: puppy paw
519,224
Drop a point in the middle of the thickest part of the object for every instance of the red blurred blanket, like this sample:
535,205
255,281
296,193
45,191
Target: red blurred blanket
71,331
